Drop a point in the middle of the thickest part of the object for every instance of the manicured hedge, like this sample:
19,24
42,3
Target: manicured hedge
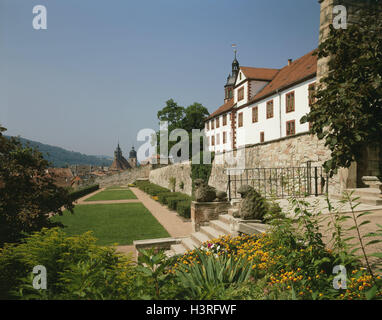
184,208
83,192
174,200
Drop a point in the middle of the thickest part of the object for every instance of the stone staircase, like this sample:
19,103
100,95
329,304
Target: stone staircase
368,196
225,225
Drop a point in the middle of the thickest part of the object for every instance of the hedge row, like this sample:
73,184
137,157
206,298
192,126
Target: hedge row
174,200
83,192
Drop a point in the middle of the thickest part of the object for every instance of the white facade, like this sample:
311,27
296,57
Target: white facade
218,133
272,128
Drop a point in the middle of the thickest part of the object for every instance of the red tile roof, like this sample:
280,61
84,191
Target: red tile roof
224,108
299,70
259,73
302,68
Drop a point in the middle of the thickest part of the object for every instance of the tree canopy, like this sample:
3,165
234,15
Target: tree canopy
178,117
27,194
347,111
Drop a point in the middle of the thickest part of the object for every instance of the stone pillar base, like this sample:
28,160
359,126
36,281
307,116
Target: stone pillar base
203,212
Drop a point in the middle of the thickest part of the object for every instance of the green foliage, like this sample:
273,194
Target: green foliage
154,267
174,200
83,192
202,170
172,182
179,117
76,268
348,108
181,185
184,208
27,194
205,280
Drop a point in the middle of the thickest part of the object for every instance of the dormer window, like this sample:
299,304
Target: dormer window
240,94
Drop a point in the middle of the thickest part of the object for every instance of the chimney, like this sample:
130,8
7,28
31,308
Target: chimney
289,62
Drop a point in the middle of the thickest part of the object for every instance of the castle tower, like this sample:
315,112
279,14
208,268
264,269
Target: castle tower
231,79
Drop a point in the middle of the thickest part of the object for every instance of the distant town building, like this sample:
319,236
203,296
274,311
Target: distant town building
62,177
120,163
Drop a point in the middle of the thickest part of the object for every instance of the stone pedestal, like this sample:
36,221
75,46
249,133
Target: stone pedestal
203,212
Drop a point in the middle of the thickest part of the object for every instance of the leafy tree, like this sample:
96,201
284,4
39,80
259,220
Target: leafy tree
179,117
194,117
27,194
172,113
347,112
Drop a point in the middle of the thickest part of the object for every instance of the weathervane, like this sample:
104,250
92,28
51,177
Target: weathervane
235,50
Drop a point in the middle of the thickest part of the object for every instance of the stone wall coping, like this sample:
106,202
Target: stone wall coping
153,242
209,203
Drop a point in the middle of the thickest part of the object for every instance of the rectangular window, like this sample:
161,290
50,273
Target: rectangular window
212,125
290,128
240,94
224,120
240,119
289,102
270,109
311,91
217,122
218,139
262,136
213,140
224,137
207,126
255,114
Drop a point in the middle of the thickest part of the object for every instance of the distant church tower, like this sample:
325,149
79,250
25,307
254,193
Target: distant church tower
231,79
133,158
119,163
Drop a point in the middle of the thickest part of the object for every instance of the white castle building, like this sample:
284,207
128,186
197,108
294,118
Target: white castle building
262,104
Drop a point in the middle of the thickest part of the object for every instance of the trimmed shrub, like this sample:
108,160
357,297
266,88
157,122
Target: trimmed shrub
172,199
162,197
184,208
83,192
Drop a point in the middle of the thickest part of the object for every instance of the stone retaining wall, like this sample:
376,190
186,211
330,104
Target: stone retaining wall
180,171
125,177
285,152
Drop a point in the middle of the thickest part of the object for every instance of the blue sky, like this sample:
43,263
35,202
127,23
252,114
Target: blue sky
103,69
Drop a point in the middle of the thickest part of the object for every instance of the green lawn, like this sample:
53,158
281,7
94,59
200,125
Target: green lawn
113,195
113,223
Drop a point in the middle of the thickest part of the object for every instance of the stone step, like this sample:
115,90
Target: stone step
370,200
178,249
220,226
169,253
367,192
226,218
232,211
211,232
199,237
189,244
